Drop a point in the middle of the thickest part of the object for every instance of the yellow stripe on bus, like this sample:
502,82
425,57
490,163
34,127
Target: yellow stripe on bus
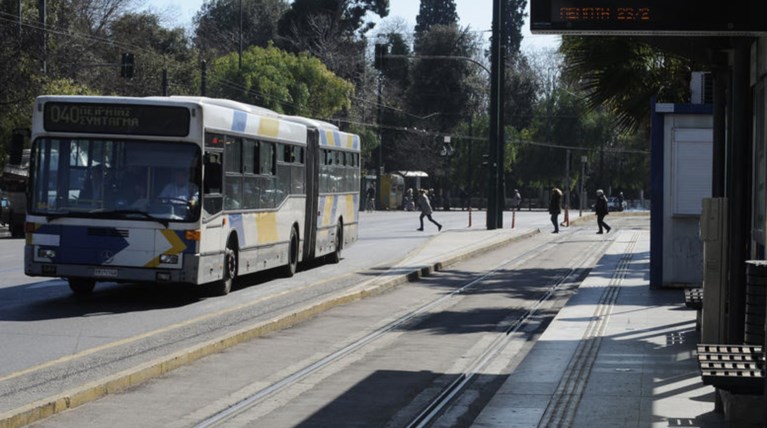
266,224
329,200
349,209
176,246
269,127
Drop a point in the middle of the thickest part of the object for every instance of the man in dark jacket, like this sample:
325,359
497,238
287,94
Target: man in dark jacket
601,211
555,207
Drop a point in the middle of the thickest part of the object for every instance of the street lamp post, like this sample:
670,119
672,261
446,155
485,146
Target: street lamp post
381,48
584,159
446,152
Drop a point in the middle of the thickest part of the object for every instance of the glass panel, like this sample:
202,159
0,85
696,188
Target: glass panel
233,193
266,158
250,157
116,179
232,155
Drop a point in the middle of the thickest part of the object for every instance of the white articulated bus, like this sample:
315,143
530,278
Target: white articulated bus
183,190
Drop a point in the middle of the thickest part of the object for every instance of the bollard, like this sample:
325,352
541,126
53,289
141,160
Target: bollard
469,215
513,218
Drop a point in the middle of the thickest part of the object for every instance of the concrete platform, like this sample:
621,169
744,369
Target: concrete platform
618,355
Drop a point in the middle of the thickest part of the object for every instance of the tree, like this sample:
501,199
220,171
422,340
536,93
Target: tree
512,22
434,12
623,73
156,49
281,81
442,85
217,24
332,30
521,90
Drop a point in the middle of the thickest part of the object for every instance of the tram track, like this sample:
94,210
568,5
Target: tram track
378,279
427,414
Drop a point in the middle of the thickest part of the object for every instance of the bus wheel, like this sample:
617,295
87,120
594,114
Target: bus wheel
81,286
335,256
290,269
224,286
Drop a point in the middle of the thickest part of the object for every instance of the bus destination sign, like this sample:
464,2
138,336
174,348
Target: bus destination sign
648,17
131,119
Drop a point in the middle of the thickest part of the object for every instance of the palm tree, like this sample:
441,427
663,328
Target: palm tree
622,74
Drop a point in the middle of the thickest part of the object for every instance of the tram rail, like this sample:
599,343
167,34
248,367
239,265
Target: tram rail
577,269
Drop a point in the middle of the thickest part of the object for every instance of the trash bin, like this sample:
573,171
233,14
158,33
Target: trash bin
756,295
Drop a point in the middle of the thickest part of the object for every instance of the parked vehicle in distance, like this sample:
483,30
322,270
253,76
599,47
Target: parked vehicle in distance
5,211
615,204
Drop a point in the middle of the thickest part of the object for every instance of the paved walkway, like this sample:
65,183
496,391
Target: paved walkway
618,355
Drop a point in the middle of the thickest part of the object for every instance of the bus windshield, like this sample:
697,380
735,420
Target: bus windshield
106,178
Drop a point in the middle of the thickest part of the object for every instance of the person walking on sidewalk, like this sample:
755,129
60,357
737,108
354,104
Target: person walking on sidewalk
555,208
601,211
425,206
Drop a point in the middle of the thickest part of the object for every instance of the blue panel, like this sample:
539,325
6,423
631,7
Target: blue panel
236,222
656,198
239,121
81,247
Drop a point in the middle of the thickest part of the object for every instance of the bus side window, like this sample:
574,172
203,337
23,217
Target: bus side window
212,184
266,158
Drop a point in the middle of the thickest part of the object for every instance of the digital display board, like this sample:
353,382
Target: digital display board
648,17
132,119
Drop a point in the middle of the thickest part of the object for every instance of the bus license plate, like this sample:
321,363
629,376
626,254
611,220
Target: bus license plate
105,273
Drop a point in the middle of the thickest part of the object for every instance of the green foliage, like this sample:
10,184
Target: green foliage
622,74
347,16
520,93
512,22
217,24
443,85
155,49
284,82
434,12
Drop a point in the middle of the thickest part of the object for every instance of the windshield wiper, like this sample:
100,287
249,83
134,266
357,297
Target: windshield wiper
107,214
162,221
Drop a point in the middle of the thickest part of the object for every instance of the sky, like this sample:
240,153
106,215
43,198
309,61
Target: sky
478,14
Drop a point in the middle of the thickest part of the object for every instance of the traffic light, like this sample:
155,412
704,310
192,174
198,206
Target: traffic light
126,67
381,51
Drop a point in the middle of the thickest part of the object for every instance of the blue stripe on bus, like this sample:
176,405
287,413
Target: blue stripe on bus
335,209
84,248
239,120
236,221
321,210
337,139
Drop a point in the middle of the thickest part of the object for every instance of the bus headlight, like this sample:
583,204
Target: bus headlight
169,259
46,253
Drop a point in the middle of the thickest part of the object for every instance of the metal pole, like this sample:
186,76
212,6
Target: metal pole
42,12
582,196
239,49
203,77
495,196
165,83
379,170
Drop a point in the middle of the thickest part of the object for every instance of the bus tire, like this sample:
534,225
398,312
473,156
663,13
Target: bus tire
224,286
290,269
81,286
335,256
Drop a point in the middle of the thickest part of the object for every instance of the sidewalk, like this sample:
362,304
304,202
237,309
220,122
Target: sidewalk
618,355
